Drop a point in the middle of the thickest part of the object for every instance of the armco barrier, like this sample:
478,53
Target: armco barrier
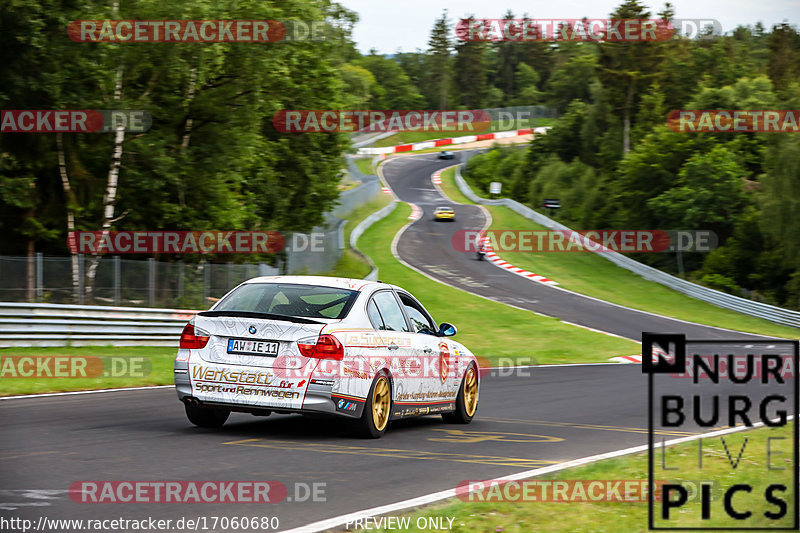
761,310
27,324
361,228
433,143
42,324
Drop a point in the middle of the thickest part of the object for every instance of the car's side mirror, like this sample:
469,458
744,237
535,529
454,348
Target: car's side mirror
447,330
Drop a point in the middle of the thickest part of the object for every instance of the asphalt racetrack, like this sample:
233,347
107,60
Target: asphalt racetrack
427,245
536,417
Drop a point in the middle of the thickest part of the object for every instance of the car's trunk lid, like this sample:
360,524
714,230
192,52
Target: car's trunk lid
244,339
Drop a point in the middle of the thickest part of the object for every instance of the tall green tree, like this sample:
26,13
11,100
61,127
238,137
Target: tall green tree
440,64
471,72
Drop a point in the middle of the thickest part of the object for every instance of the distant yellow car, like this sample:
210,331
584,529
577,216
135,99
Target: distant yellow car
444,213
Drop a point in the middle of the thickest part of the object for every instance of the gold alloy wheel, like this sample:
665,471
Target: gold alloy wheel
380,403
470,392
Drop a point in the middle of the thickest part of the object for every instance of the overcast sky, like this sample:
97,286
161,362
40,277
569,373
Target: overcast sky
387,25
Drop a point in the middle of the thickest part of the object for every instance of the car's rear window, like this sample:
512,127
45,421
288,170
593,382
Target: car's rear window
289,299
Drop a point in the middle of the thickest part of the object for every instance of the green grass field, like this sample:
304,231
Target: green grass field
599,516
135,366
515,333
580,271
364,164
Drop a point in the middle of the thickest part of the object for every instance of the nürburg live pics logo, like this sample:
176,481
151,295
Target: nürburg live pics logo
742,396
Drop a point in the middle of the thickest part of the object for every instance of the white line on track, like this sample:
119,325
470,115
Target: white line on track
338,521
74,393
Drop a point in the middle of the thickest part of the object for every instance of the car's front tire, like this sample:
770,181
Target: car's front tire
377,410
467,399
206,417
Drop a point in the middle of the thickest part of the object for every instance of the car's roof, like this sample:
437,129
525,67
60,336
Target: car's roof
444,207
325,281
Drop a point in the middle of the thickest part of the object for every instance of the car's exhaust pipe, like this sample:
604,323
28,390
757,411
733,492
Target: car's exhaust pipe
191,401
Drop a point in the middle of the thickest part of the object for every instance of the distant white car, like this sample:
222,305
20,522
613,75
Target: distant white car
357,349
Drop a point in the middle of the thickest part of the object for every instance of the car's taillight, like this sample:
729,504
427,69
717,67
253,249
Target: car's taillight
322,347
191,341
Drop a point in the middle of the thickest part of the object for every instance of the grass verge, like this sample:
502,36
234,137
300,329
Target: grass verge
515,334
364,164
628,516
104,367
352,265
579,272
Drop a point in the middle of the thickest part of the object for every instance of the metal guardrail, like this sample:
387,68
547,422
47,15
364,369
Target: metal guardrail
27,324
361,228
42,324
772,313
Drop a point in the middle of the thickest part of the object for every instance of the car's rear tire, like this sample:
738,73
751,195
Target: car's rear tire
467,399
206,417
377,410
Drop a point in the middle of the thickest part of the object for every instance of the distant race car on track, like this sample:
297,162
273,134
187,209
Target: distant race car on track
444,213
362,350
445,154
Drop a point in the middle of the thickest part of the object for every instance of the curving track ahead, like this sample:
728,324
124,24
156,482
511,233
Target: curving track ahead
536,417
426,245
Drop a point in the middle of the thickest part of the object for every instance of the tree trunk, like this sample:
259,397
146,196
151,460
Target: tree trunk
70,205
626,121
187,130
110,197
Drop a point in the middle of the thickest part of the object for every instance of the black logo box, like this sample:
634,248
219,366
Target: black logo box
677,364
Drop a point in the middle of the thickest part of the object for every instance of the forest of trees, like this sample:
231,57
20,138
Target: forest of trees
213,160
743,186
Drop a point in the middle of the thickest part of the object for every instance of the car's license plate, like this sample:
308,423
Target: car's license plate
252,347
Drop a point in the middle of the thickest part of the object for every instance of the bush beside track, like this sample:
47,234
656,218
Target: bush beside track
589,274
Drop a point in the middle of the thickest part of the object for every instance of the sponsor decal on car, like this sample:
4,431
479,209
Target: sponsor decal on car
424,410
423,395
247,391
225,375
347,404
349,372
444,355
372,339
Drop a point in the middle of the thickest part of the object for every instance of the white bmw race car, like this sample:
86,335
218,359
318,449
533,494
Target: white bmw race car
363,350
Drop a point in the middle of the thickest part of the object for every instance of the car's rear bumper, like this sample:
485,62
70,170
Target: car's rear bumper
318,398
